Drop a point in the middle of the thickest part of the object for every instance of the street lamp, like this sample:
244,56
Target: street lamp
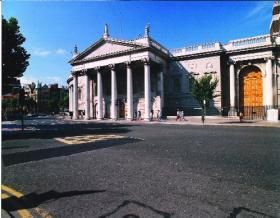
204,111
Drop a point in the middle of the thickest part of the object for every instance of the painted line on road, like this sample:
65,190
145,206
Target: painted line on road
136,138
81,139
4,196
23,212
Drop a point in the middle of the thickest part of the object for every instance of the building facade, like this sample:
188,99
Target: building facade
116,78
45,96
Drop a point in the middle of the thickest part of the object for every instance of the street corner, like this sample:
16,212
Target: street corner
16,205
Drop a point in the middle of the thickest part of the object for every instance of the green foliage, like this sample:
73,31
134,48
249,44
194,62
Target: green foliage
9,104
204,88
15,57
32,87
30,104
53,106
64,102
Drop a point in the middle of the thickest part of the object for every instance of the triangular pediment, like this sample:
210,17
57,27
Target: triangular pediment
106,47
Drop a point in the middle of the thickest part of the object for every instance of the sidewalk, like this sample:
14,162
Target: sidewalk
193,120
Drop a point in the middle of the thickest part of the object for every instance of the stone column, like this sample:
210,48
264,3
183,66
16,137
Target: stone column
232,89
232,86
70,97
114,93
100,95
147,81
268,86
76,103
87,98
91,97
129,86
161,74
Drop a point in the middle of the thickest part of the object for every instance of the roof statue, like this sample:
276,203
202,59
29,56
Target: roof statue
75,51
106,31
147,30
275,21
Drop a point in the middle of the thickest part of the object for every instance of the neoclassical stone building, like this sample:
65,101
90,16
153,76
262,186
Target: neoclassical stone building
116,78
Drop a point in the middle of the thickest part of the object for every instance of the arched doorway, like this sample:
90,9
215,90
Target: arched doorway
121,109
251,93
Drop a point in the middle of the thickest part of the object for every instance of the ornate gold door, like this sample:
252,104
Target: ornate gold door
251,96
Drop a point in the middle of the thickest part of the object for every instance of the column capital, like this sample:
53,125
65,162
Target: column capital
269,58
97,68
74,73
111,66
146,61
84,72
128,63
231,62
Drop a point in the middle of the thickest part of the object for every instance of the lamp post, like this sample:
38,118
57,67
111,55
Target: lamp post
204,111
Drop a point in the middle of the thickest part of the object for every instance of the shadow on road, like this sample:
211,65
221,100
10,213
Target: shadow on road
12,147
64,130
33,200
36,155
139,204
249,213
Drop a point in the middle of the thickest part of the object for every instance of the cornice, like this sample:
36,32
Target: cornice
201,54
244,50
115,54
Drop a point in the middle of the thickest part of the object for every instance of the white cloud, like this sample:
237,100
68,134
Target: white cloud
41,52
261,8
54,79
60,51
28,80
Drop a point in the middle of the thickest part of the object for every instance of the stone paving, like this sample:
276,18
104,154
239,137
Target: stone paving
195,120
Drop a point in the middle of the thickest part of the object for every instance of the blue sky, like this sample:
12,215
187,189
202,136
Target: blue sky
52,28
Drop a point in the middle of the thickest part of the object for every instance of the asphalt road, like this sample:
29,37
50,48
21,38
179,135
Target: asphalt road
154,171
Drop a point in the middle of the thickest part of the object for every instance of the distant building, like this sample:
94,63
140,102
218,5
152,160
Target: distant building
113,78
45,94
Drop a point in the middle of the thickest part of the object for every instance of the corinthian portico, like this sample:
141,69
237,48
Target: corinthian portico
118,78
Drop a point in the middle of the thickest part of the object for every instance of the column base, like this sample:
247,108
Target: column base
129,119
147,119
114,119
100,118
232,112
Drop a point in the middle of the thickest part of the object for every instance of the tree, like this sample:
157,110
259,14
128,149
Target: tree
203,90
32,87
53,106
30,104
15,57
64,102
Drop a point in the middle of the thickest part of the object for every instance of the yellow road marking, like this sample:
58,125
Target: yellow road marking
11,191
87,138
4,196
23,212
